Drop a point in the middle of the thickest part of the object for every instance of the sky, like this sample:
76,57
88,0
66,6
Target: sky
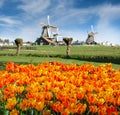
74,18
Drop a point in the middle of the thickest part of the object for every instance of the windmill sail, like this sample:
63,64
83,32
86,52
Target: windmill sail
53,28
92,29
48,19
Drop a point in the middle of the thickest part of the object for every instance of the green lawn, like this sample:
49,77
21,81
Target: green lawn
79,55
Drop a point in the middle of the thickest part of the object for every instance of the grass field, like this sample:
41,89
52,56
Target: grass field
79,55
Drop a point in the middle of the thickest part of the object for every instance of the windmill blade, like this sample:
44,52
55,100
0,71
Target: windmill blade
49,31
57,30
43,24
96,33
48,19
53,28
92,29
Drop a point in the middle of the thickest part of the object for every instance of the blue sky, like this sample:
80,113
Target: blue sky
22,18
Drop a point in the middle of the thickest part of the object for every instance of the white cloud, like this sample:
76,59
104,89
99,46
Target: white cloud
8,21
106,14
109,12
34,6
108,32
110,35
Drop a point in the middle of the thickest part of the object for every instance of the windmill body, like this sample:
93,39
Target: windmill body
45,32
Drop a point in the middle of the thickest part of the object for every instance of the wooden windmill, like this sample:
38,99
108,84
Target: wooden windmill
90,38
46,34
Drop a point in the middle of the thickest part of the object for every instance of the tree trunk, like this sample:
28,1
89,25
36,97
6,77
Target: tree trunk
18,50
68,50
68,43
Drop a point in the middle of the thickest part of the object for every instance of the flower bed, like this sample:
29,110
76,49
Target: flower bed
59,89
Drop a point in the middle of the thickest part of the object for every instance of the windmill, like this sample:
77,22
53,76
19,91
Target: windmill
90,38
47,32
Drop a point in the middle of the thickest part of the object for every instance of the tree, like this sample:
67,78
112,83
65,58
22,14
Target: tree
68,42
6,41
1,40
19,43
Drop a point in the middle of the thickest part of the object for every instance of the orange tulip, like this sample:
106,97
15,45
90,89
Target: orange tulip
39,106
11,102
46,112
14,112
93,108
102,110
67,89
57,107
